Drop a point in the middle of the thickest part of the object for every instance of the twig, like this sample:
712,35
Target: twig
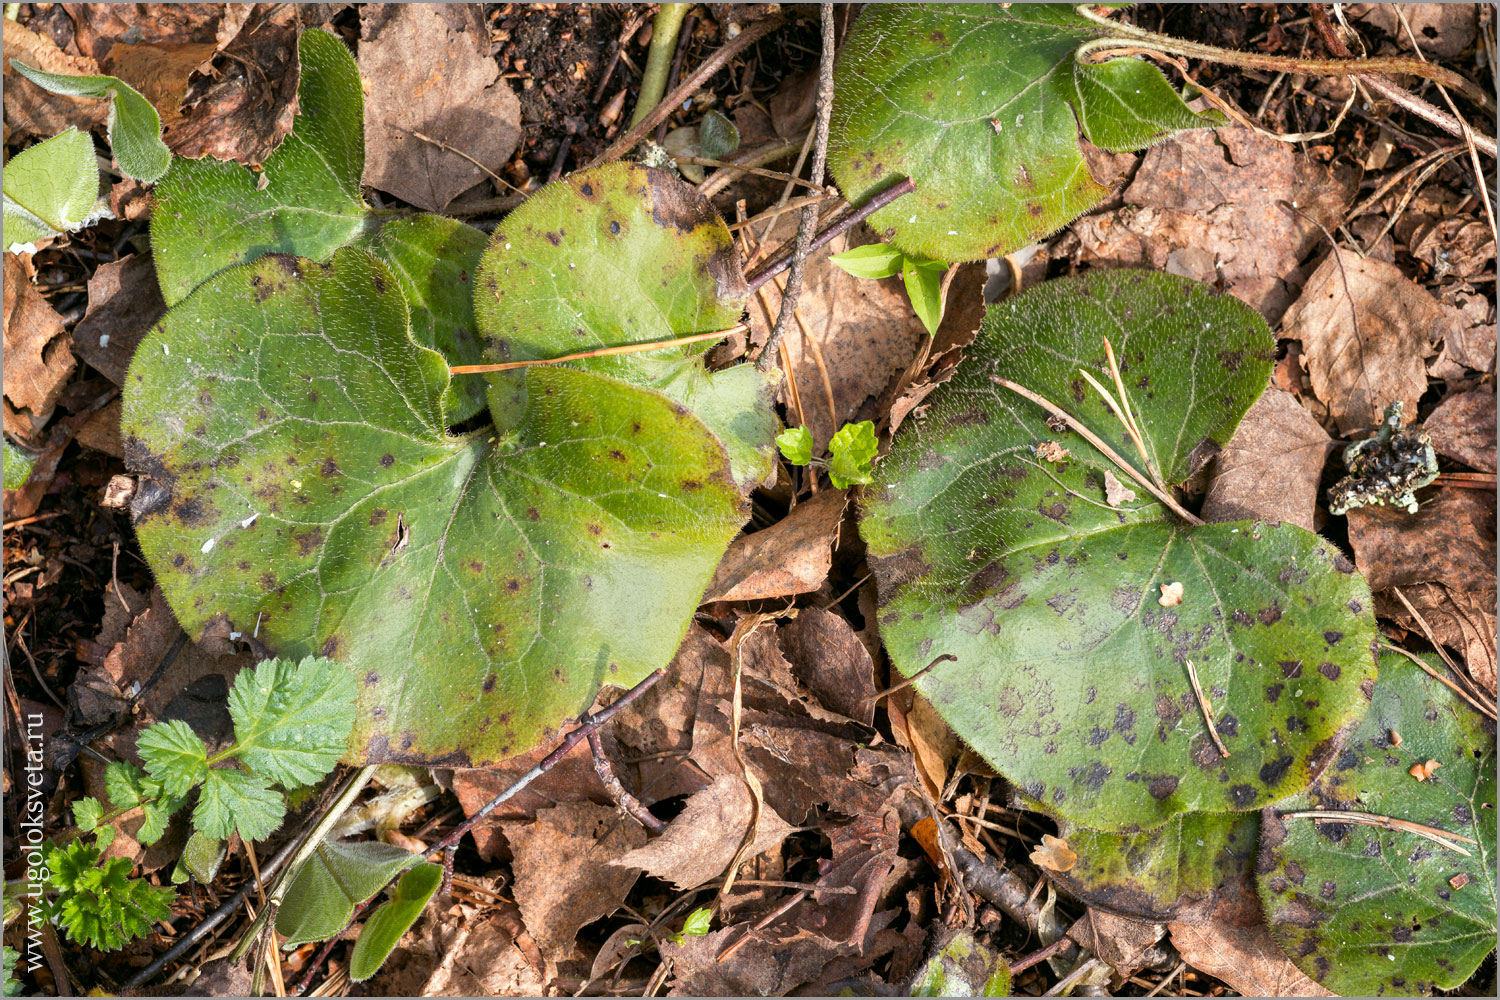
761,924
1431,833
908,682
687,88
1066,982
758,156
809,221
1207,707
1040,955
775,175
1108,452
617,790
836,227
599,352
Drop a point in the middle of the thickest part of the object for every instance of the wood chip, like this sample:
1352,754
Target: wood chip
1054,854
1051,451
1171,594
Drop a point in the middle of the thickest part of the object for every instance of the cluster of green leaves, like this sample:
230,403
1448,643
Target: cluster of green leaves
97,903
922,275
851,452
11,985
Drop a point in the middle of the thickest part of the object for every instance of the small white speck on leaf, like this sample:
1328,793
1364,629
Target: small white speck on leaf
208,546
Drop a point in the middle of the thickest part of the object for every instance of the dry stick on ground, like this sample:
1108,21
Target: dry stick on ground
809,221
687,88
599,352
840,224
757,156
631,805
1477,703
1208,709
1431,833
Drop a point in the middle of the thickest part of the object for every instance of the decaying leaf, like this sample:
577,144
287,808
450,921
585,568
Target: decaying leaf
792,556
1118,941
1054,854
37,359
1116,492
124,301
1271,467
1463,428
1234,944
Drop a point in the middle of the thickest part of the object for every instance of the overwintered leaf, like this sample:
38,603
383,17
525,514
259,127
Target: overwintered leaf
982,106
51,188
623,254
479,588
1371,911
292,720
338,877
134,125
1072,675
961,967
18,465
392,919
211,214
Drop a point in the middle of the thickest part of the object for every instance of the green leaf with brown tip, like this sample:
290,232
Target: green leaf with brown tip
1368,911
1071,677
624,254
302,486
982,106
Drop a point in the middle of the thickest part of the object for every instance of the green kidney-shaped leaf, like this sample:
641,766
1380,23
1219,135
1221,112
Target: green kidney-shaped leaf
1071,676
51,188
134,128
211,214
292,720
338,876
1368,911
382,932
1173,872
623,254
479,588
982,106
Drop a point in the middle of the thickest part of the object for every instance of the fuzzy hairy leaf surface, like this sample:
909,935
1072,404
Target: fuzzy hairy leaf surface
624,254
393,918
51,188
1071,676
235,801
212,214
480,588
337,878
174,756
982,106
1368,911
134,126
292,720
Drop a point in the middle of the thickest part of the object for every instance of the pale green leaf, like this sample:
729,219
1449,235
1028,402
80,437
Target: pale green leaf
174,756
1368,911
924,284
698,922
323,893
479,589
134,126
796,444
851,451
873,260
982,105
383,931
292,720
51,188
86,813
717,136
235,801
18,465
1071,676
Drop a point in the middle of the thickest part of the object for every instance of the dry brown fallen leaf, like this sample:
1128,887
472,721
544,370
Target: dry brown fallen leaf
934,745
1271,467
1363,360
1051,451
1442,30
1116,492
792,556
37,359
1207,205
1054,854
1463,428
160,72
1423,771
124,301
1171,594
1118,941
1245,957
458,950
1469,343
702,840
1449,540
427,69
563,878
828,657
1459,620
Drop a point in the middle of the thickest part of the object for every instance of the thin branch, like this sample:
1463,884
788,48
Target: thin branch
1129,418
809,221
1207,708
1475,703
1431,833
599,352
631,805
836,227
908,682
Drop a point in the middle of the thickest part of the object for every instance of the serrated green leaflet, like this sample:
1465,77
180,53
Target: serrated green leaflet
480,589
1368,911
337,877
18,466
382,932
51,188
134,126
624,254
174,755
982,105
233,801
1071,676
292,720
1171,873
212,214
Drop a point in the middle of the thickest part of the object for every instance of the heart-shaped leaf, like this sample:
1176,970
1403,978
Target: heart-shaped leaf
982,106
51,188
480,588
992,540
134,126
211,214
323,893
1372,911
382,932
1171,873
624,254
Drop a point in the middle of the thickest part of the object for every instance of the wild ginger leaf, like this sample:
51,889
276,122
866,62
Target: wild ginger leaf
134,126
1071,676
292,720
1370,911
982,106
51,188
480,588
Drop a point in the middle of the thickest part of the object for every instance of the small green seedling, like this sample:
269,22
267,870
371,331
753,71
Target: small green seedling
12,984
923,276
18,466
851,452
97,903
697,924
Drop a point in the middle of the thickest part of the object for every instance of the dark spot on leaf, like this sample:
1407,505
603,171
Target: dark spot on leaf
1273,693
1161,788
308,540
178,560
331,647
378,516
1332,637
328,468
513,585
1273,771
532,514
1290,669
1269,616
1241,796
489,683
1091,777
387,460
1342,564
1329,670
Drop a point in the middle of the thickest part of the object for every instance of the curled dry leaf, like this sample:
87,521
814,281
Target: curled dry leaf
37,359
124,301
792,556
1054,854
1051,451
1234,944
